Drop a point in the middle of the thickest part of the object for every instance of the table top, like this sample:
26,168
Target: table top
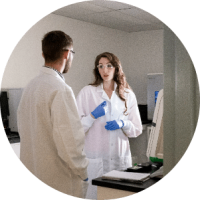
128,186
122,185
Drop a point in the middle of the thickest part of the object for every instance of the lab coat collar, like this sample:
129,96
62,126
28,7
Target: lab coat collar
51,72
104,95
100,87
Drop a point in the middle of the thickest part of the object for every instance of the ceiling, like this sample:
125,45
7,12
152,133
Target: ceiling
111,14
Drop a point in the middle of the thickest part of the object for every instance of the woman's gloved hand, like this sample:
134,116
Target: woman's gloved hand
100,110
113,125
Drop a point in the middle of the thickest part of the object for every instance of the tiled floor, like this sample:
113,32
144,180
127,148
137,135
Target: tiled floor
16,149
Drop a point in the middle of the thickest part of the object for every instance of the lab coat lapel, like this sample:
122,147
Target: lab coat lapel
117,104
103,94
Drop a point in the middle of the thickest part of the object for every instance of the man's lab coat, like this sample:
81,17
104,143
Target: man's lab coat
107,150
52,137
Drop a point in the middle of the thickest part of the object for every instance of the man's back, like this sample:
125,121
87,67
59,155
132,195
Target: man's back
46,133
34,109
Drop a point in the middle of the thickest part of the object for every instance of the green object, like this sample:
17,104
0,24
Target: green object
154,160
135,164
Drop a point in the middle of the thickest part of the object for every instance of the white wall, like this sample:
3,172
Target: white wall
140,53
145,56
89,41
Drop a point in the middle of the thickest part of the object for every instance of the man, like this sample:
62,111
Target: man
52,137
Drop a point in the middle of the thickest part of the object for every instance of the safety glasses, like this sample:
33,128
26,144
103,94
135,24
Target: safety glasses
108,66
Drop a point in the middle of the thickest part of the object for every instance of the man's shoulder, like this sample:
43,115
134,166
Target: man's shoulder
48,83
88,89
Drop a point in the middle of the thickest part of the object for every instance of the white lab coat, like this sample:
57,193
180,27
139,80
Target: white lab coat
52,137
107,150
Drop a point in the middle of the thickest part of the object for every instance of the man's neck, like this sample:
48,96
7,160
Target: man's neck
58,66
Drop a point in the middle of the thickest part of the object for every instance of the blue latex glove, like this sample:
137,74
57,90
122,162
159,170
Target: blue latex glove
86,179
113,125
99,110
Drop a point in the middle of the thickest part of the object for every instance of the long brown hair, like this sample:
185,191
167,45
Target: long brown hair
119,76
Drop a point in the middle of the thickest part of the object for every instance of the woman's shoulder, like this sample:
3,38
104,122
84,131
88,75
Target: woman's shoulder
129,93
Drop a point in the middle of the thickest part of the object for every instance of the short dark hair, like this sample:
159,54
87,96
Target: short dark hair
53,44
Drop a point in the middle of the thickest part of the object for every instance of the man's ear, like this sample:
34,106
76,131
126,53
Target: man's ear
42,55
66,55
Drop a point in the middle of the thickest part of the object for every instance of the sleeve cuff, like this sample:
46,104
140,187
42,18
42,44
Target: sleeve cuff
127,125
90,119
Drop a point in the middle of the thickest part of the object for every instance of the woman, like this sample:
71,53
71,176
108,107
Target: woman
109,115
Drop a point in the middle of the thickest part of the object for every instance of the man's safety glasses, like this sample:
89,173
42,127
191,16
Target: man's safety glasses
69,50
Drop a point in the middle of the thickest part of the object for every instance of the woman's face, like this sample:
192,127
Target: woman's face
106,70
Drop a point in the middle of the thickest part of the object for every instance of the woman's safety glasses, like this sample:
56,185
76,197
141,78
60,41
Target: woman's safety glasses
108,66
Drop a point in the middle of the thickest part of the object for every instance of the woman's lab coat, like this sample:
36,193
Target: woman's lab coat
52,137
107,150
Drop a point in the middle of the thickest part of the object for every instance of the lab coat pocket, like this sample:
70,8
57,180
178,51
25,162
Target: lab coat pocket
95,170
